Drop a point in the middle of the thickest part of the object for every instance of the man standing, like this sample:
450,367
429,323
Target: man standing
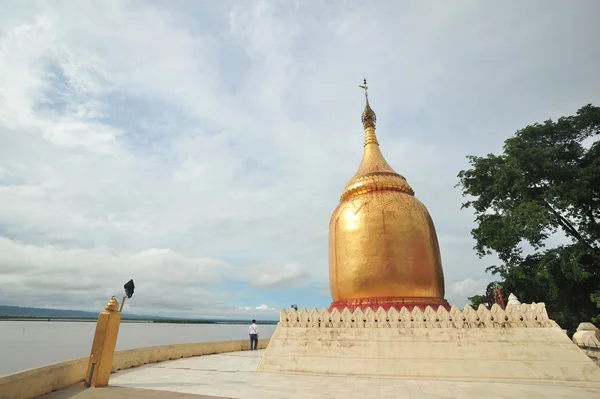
253,331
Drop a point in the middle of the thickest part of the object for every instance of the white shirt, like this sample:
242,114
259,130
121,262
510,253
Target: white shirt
253,329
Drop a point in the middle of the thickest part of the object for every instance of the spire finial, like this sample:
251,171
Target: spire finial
368,116
364,86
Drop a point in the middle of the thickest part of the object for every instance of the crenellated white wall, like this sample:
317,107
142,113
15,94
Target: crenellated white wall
525,315
519,343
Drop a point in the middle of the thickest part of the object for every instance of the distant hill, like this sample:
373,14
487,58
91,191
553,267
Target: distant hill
25,312
21,312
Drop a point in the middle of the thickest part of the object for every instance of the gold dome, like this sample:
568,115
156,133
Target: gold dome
383,248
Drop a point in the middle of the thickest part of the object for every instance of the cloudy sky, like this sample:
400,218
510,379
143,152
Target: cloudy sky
200,147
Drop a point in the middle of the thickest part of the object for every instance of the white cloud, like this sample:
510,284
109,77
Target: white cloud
201,148
260,309
272,275
457,292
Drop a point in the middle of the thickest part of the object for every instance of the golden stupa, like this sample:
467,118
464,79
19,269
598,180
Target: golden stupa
383,248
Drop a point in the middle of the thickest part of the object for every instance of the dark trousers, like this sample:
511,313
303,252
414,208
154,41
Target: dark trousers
253,341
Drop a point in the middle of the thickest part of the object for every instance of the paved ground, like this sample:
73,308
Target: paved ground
79,391
234,375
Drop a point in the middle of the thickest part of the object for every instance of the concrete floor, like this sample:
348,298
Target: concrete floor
234,375
79,391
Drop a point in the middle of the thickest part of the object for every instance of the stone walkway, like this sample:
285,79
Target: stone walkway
79,391
234,375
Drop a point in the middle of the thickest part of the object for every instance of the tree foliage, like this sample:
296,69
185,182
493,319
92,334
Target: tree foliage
477,300
546,182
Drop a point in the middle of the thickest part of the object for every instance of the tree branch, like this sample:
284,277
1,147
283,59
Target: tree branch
568,227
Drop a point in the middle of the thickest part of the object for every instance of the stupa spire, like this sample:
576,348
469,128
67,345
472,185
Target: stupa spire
374,173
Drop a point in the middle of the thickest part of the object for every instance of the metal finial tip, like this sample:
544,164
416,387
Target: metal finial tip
365,87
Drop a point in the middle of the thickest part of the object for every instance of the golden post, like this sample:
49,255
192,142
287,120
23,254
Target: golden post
103,347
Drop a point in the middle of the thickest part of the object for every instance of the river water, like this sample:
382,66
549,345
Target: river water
29,344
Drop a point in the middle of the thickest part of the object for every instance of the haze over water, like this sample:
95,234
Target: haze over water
29,344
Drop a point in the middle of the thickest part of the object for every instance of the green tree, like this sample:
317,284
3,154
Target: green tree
547,181
477,300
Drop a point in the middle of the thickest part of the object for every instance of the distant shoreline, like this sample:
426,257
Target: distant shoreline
76,319
20,313
132,320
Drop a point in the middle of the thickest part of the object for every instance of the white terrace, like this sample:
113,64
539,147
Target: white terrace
235,375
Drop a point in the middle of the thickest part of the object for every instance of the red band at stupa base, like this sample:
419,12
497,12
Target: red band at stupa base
388,302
